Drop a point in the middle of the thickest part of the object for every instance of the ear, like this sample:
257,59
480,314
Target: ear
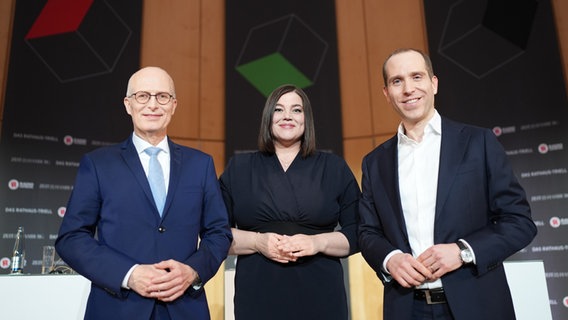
127,105
174,105
435,84
386,93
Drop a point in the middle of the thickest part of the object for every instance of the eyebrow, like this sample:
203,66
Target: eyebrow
413,73
294,105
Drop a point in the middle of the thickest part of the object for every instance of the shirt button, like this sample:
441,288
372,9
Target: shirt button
161,229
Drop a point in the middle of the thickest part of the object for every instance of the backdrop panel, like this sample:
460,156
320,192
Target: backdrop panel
269,43
499,67
272,43
69,64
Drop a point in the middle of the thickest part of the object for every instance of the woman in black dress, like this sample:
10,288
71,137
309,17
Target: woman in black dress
293,211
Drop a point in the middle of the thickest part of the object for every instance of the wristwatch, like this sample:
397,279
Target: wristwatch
197,283
466,255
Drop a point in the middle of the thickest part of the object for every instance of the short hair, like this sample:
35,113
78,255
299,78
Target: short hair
266,137
427,62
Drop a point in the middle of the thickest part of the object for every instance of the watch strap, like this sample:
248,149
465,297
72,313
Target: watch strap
197,283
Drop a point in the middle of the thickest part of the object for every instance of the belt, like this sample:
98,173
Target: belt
432,296
289,228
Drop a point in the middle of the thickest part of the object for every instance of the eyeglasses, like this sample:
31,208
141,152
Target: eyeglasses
144,97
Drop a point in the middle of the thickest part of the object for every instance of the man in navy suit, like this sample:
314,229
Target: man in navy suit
441,208
146,260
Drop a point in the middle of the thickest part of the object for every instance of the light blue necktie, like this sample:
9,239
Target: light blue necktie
156,178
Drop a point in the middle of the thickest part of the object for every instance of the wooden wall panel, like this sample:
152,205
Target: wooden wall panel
216,294
6,15
560,8
212,93
354,81
366,290
390,25
354,150
171,40
215,148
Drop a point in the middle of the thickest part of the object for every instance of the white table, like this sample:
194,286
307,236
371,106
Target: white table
59,297
527,282
64,297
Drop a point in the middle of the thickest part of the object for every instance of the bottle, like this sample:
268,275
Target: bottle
19,255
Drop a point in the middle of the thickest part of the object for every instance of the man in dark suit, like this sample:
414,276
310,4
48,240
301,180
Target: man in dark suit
146,258
441,208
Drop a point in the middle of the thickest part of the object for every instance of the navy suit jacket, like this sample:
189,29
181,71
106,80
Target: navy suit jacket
112,223
478,200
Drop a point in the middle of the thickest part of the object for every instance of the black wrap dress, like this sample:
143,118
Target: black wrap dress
316,194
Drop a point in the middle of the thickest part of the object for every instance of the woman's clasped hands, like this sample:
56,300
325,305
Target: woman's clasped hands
283,248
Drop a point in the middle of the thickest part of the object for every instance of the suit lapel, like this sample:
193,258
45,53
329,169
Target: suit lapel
454,144
175,172
389,173
132,160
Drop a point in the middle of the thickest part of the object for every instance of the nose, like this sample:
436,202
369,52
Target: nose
153,102
408,87
287,114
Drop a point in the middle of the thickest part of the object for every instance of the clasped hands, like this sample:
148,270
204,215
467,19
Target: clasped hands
429,266
165,281
285,249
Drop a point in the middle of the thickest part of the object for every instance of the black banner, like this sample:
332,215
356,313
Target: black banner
498,64
70,61
273,43
278,42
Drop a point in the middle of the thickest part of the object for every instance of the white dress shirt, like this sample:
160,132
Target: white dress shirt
164,159
418,164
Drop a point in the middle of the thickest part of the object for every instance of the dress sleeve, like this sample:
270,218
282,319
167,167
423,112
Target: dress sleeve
225,184
349,204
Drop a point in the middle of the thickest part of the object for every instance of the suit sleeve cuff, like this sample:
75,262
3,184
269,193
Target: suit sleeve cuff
127,277
392,253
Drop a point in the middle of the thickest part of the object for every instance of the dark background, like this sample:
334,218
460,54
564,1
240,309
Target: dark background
499,67
63,98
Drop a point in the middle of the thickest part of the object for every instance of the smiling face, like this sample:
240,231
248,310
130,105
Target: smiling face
150,119
288,120
409,88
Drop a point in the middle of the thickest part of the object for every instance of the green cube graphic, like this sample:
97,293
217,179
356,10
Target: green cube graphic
261,73
282,51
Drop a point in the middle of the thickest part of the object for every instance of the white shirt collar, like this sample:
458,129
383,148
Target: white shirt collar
141,144
433,126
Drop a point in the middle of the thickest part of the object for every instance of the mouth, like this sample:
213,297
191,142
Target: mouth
411,101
